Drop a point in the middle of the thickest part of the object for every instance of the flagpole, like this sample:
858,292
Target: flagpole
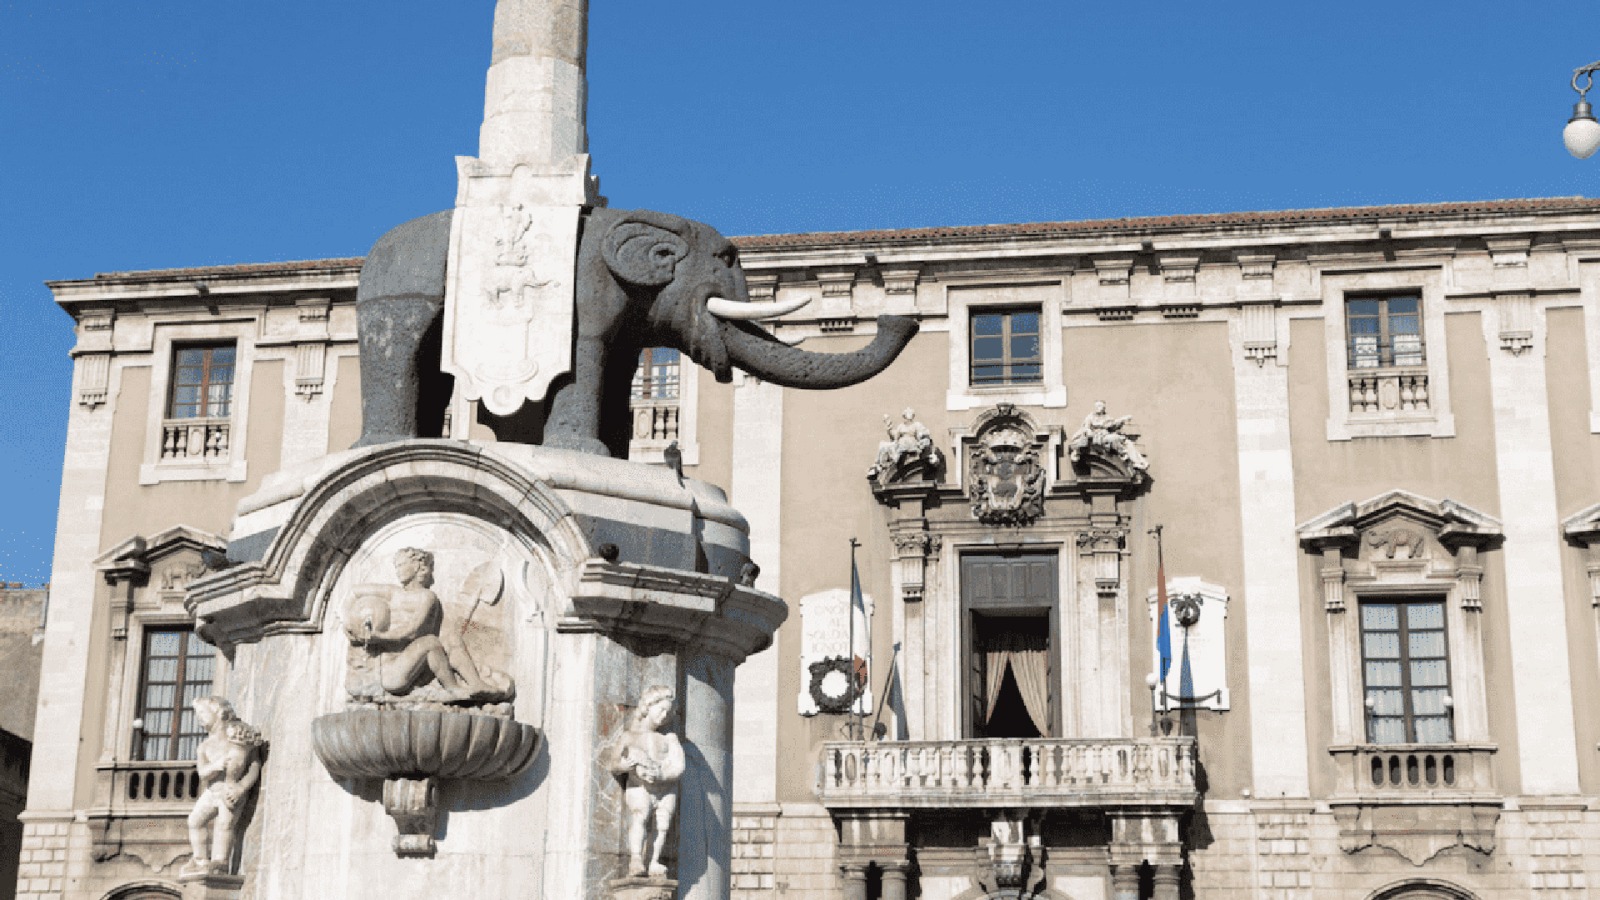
1161,613
850,652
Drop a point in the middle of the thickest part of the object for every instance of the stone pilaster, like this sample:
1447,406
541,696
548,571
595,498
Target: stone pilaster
757,490
57,749
1535,608
1271,577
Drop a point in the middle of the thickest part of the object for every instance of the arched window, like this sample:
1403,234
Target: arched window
1423,889
145,891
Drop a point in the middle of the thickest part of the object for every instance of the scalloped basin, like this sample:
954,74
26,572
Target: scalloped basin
404,743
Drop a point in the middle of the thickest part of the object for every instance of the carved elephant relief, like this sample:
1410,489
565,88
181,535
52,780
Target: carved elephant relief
644,279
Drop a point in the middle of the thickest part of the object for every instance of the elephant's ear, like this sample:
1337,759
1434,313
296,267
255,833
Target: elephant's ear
643,253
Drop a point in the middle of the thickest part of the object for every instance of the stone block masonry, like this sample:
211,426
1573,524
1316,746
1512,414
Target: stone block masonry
784,851
753,831
42,873
1283,855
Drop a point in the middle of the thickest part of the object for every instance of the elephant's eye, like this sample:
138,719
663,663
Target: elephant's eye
729,257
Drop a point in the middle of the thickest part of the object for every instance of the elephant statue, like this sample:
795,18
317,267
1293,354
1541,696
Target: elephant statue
644,279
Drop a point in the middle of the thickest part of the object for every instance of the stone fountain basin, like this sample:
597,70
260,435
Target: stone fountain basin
419,743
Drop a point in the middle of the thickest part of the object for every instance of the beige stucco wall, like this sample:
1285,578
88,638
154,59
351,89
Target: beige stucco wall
830,437
344,410
1176,380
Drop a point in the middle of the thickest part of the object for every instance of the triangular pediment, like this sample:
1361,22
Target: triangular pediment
1450,521
1583,526
138,554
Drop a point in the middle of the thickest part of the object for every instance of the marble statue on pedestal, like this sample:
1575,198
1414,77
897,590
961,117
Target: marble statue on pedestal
1102,433
910,444
229,763
652,762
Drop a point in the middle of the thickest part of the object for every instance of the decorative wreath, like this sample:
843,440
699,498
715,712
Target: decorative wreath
833,688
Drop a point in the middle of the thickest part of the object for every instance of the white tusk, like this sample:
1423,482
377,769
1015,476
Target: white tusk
728,309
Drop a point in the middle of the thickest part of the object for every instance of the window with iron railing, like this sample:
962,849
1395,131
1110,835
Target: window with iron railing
1384,331
177,667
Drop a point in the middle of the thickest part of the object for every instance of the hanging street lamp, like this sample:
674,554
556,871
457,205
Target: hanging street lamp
1582,134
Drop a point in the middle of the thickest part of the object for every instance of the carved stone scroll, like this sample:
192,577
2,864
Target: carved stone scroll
1103,549
911,551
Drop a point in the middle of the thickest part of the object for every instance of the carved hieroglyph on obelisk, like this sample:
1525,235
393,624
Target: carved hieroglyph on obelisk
508,314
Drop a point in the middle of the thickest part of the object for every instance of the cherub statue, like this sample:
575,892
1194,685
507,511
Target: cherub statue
652,762
1102,433
908,440
402,627
229,763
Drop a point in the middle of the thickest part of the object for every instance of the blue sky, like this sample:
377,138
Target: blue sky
175,132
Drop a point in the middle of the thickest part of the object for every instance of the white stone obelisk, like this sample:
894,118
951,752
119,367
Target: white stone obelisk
508,315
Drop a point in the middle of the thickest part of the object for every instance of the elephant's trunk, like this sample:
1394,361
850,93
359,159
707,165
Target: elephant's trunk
770,359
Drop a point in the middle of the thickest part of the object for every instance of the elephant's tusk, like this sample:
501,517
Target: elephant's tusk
766,309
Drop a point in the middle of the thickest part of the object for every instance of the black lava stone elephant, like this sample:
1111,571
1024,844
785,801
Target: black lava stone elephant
644,279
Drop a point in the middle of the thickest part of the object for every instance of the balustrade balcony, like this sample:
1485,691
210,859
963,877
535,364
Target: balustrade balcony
1030,773
135,785
655,419
1389,391
141,807
1412,773
195,440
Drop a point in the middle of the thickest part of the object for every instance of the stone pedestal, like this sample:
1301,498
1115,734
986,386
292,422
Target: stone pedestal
641,889
211,886
608,578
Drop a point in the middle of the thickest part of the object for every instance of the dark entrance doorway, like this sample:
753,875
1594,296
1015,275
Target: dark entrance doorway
1009,635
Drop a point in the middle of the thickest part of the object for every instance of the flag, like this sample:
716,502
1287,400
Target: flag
861,640
1163,625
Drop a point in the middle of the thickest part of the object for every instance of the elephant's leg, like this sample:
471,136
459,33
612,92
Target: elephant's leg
574,420
400,296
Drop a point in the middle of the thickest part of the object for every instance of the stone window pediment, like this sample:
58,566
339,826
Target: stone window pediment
1402,542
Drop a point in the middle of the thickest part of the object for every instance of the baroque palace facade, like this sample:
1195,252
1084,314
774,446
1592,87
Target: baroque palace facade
1369,441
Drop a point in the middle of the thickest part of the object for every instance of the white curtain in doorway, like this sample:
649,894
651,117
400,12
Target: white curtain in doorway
1025,655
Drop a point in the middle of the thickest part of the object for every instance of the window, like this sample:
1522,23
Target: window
1384,331
657,375
1006,347
202,382
177,669
1407,670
